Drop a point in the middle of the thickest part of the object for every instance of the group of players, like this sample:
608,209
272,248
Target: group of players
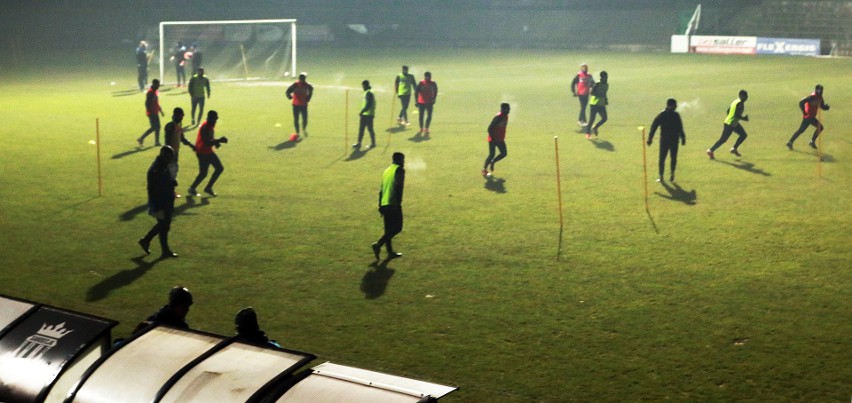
594,95
181,57
163,173
425,93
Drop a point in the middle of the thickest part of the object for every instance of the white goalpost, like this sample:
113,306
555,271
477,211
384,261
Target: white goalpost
233,49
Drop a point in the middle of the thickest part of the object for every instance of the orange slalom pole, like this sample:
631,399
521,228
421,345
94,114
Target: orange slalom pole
819,145
98,146
346,122
559,194
558,179
393,105
645,166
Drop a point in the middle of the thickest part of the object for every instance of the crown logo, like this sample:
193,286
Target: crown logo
55,332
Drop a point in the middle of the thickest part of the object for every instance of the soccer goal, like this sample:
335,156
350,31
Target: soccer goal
228,50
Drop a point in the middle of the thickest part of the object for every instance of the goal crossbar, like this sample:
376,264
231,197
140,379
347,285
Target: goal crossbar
228,22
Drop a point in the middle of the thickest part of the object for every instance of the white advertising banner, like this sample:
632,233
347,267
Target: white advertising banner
742,45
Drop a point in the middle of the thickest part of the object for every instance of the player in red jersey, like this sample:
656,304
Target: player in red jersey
426,93
809,106
204,145
496,139
300,92
580,87
154,111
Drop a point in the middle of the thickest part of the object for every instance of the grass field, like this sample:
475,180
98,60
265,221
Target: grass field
734,286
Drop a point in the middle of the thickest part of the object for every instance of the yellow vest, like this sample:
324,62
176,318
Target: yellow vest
372,110
732,120
388,185
405,84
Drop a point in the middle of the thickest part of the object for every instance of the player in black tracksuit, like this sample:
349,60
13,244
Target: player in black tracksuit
671,130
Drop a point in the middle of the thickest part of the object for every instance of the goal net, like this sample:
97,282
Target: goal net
228,50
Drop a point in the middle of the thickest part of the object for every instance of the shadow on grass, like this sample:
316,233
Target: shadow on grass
653,223
375,280
131,152
396,129
496,185
825,157
677,193
124,93
603,144
745,166
132,213
559,244
53,214
191,203
419,137
357,153
180,209
287,144
123,278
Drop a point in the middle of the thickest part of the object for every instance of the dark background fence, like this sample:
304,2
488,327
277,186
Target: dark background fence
566,24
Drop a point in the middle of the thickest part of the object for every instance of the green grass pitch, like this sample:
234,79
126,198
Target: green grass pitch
733,287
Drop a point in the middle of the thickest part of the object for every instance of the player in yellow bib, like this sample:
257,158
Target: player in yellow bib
732,125
404,85
390,205
366,116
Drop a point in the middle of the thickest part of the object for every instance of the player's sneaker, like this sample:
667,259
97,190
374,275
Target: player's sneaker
210,191
595,130
671,178
146,246
139,141
660,179
790,146
588,136
735,152
394,255
356,145
191,192
711,155
398,121
407,123
484,172
373,145
581,123
812,144
376,250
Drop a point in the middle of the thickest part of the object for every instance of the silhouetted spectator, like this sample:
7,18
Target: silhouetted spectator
172,314
248,330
